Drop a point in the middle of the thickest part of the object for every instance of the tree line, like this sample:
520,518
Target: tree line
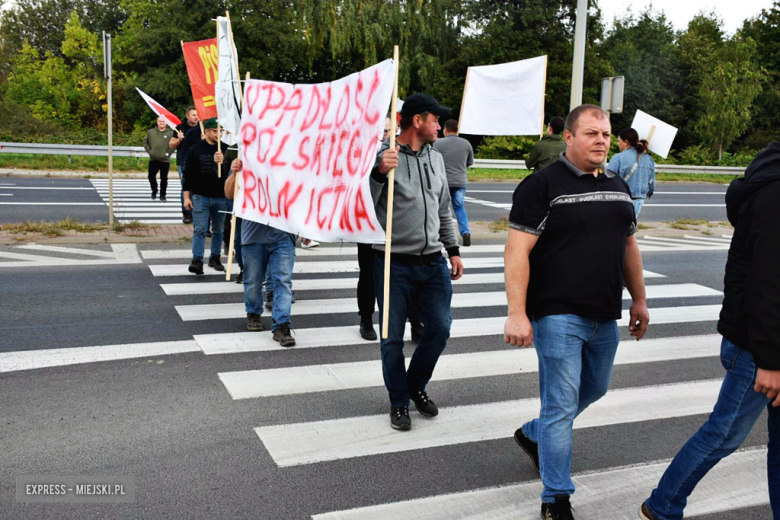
720,90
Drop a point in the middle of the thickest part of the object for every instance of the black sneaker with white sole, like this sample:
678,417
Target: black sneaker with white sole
528,446
399,418
423,403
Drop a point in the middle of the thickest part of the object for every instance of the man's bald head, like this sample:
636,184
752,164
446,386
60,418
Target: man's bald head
574,116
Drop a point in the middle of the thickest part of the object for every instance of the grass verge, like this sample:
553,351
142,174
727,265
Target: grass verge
77,163
58,229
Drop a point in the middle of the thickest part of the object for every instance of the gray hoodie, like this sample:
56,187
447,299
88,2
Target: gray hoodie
422,218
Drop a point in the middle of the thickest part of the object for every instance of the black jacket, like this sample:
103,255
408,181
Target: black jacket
750,317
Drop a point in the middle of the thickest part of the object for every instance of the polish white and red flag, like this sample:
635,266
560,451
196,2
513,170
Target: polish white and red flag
160,110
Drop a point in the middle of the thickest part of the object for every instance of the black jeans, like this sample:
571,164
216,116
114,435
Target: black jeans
366,295
162,167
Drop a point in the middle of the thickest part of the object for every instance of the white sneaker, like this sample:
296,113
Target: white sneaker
308,243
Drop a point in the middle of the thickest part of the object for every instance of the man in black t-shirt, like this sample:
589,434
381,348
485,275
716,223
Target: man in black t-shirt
570,247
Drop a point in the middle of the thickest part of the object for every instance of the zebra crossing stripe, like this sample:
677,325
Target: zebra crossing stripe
168,254
318,284
250,384
229,343
616,493
337,439
34,359
222,311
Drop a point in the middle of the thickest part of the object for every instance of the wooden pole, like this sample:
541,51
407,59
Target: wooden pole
463,101
235,194
650,135
219,127
544,88
390,186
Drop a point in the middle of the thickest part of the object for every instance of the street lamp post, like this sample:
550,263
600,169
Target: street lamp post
578,65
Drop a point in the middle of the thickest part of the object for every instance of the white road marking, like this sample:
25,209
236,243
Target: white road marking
167,254
338,439
126,253
33,359
69,250
221,311
53,203
44,188
615,493
714,240
250,384
234,342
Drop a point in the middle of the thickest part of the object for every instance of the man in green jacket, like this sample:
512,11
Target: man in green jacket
160,142
549,148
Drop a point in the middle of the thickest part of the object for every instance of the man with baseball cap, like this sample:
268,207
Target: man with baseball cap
422,226
204,195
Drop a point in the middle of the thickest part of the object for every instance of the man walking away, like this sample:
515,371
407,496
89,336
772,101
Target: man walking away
190,122
160,143
204,195
422,226
750,349
265,248
458,156
570,248
547,150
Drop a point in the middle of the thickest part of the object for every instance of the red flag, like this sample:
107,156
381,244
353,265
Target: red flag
201,58
160,110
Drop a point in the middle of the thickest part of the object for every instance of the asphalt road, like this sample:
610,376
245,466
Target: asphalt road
35,199
169,422
672,200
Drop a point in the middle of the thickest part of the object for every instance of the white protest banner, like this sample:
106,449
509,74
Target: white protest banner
659,134
307,151
505,99
227,90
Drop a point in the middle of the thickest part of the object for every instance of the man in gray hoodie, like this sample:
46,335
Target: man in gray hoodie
422,226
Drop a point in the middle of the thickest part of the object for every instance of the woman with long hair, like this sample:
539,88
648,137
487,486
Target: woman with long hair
635,166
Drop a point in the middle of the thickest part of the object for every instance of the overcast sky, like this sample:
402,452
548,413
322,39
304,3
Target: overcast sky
680,12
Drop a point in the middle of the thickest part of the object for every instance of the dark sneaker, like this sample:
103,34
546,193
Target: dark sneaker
216,264
283,335
163,199
196,266
645,513
417,331
240,277
269,300
560,510
367,331
399,418
467,240
253,323
187,219
423,403
528,446
154,196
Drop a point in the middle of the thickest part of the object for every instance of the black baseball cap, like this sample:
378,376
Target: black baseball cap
419,103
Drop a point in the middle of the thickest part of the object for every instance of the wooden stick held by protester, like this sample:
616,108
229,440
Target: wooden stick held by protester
390,186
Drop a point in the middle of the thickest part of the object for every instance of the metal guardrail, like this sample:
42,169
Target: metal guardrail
504,164
139,153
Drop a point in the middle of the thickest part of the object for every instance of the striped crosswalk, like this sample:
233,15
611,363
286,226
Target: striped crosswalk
323,318
132,200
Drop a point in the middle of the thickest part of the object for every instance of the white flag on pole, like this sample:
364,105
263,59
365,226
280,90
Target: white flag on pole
228,87
505,99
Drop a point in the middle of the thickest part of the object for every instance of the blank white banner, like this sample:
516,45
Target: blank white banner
505,99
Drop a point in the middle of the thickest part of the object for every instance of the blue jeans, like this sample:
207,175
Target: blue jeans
576,355
429,285
279,257
638,203
457,195
202,209
737,410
